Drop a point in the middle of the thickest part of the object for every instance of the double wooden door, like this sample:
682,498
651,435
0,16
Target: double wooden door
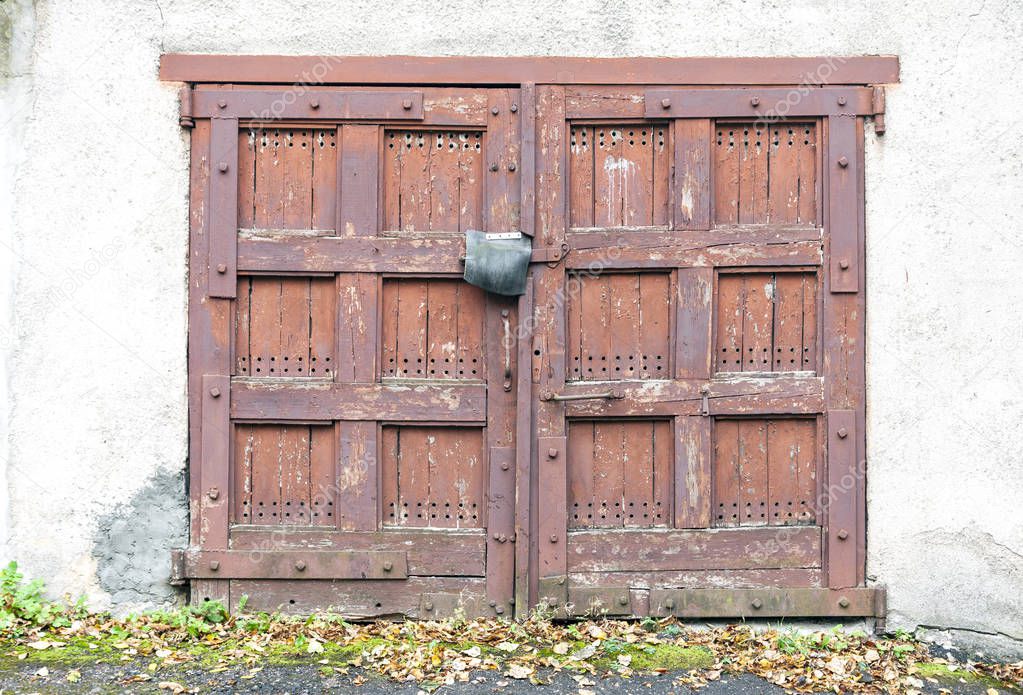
669,422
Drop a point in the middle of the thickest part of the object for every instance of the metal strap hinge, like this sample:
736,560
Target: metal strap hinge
185,107
878,105
549,255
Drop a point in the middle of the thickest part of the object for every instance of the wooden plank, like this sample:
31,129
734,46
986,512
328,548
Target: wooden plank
654,325
801,253
580,176
843,480
502,148
691,194
693,461
625,550
483,70
354,599
761,603
216,457
843,203
752,150
430,552
294,472
359,178
763,104
270,104
731,395
753,493
693,323
525,471
269,399
223,206
501,526
324,178
295,564
323,333
551,165
551,506
696,579
323,476
757,321
358,476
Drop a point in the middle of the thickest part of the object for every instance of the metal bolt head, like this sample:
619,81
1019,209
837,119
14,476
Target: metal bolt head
492,604
504,466
213,494
554,538
222,167
843,162
214,565
756,603
406,104
300,565
314,104
755,101
215,392
665,103
843,602
842,433
494,167
499,610
670,604
623,600
511,166
552,453
504,313
552,602
841,101
428,606
514,108
388,566
844,264
222,104
842,534
494,110
221,268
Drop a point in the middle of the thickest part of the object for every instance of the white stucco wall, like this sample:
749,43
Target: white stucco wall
92,298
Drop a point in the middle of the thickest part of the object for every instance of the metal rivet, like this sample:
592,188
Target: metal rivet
214,493
665,103
669,604
757,603
755,101
214,565
511,167
554,538
222,166
843,602
514,108
623,600
428,606
222,104
505,313
500,609
494,167
844,264
843,162
842,534
314,104
492,603
552,453
406,104
841,101
221,268
495,110
504,466
388,566
215,392
842,433
552,602
300,565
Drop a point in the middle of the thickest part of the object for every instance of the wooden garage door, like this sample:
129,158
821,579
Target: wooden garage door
693,393
356,395
686,434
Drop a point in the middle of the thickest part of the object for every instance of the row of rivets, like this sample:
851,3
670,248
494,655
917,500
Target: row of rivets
315,104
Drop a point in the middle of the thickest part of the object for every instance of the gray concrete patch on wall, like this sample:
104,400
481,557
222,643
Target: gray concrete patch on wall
134,541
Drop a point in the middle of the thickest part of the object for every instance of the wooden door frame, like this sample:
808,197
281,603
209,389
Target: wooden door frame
744,81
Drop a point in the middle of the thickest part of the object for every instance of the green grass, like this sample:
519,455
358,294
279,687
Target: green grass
945,675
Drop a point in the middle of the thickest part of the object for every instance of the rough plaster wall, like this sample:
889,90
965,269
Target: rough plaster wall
97,370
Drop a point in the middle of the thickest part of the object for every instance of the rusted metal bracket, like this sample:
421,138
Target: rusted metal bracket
553,592
185,107
880,610
264,104
446,605
878,104
550,254
287,564
767,603
755,102
599,601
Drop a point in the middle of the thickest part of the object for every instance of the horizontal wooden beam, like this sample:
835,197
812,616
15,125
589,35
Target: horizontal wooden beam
695,579
764,603
298,253
430,552
759,103
727,395
476,70
607,550
291,564
308,400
